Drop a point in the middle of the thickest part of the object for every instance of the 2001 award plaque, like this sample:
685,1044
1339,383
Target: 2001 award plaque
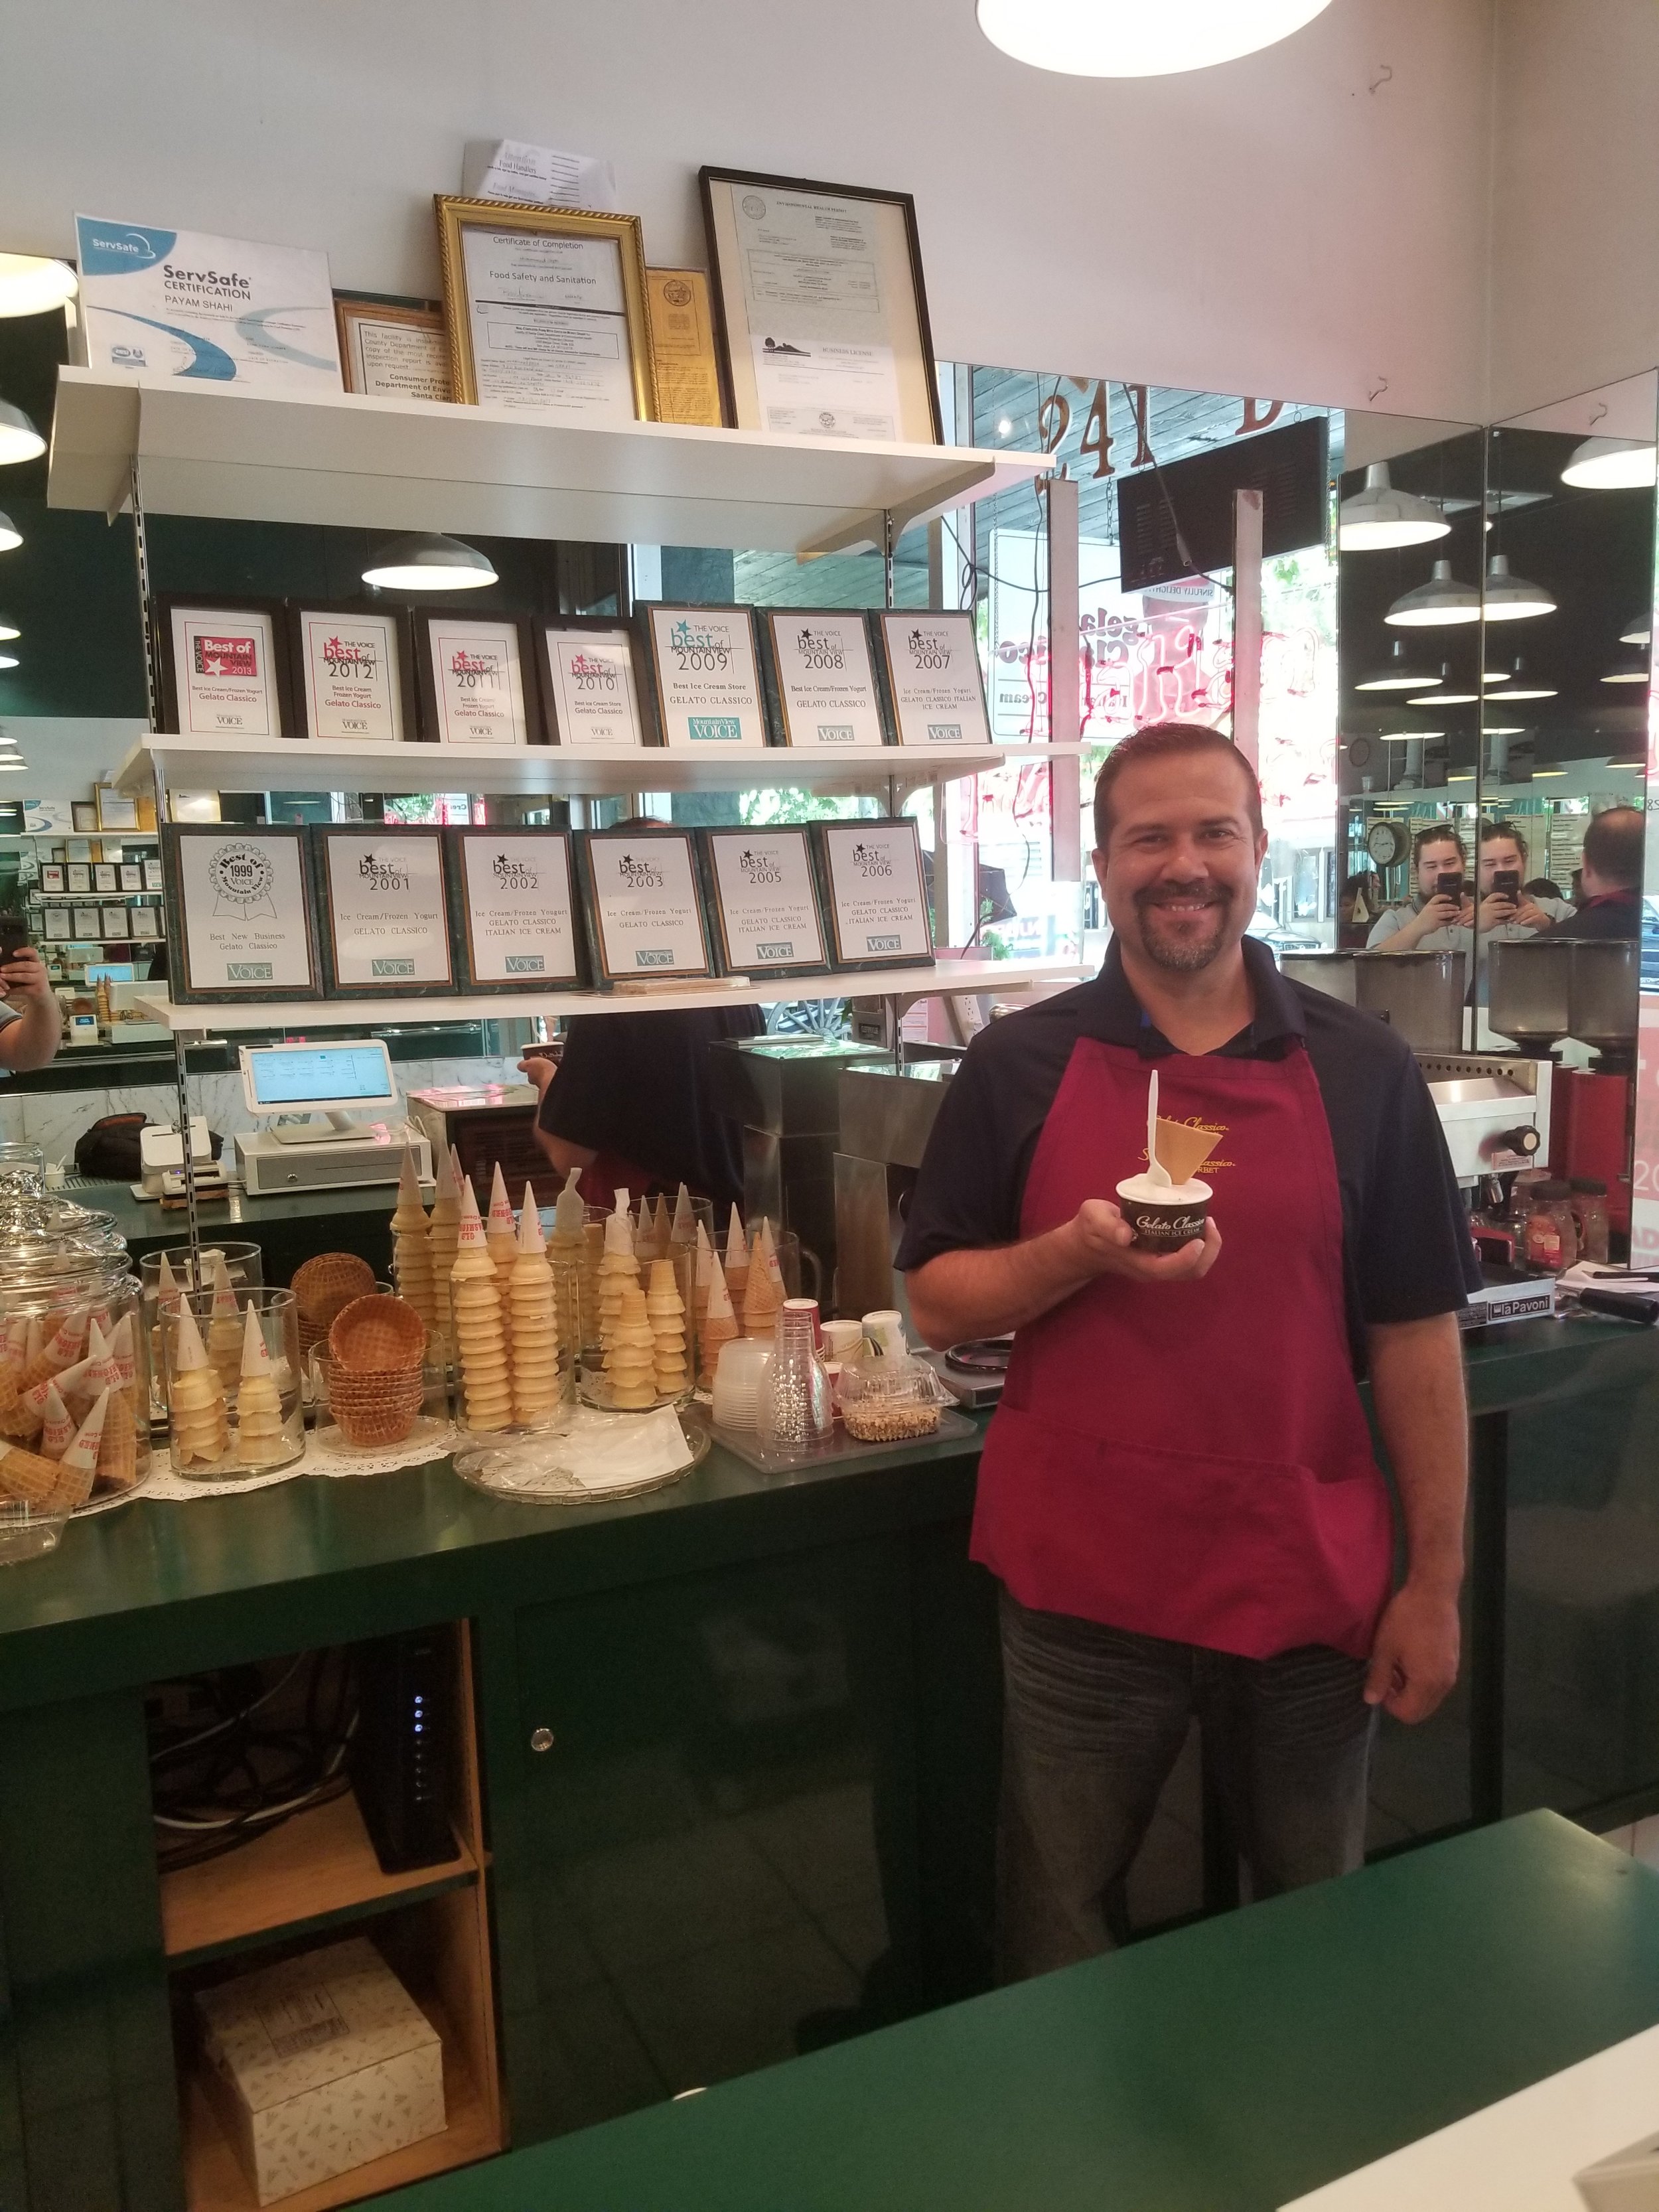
239,914
386,910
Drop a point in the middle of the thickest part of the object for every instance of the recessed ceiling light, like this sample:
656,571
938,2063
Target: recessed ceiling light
1379,516
19,439
1610,464
1139,38
1005,428
429,563
1442,601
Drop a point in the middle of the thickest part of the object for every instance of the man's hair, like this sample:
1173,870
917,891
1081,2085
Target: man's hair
1613,843
1490,832
1437,833
1161,741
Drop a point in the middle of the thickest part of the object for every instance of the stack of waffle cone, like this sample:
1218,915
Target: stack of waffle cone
534,1353
502,1237
737,1259
666,1311
630,1358
411,1249
201,1429
261,1437
224,1336
443,1229
77,1470
61,1349
486,1388
618,1270
717,1325
763,1292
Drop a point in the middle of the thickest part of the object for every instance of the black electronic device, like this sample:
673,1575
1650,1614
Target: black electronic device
1449,884
403,1753
13,935
1506,882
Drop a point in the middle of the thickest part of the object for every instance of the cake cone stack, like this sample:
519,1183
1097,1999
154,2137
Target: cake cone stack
737,1259
763,1292
502,1237
534,1353
618,1271
665,1308
411,1249
224,1336
77,1470
443,1229
486,1390
201,1430
718,1324
630,1358
261,1439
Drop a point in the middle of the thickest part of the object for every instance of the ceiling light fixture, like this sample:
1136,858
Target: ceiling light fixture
1406,737
1538,772
1638,631
11,535
19,439
1627,676
9,629
32,282
6,762
1610,464
1369,521
1444,699
1490,676
1396,673
1139,38
429,563
1512,598
1443,600
8,661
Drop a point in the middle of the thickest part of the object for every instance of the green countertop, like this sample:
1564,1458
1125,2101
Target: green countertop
1227,2067
144,1222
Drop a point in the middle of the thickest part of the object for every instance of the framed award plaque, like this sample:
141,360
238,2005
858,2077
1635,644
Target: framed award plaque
824,679
79,873
146,922
820,315
239,908
56,925
52,880
514,899
132,876
644,905
391,351
875,899
385,907
763,902
152,879
590,699
353,683
476,677
112,925
224,672
106,878
703,675
88,922
930,666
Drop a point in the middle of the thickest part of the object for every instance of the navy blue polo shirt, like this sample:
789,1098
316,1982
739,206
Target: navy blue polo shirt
1405,1249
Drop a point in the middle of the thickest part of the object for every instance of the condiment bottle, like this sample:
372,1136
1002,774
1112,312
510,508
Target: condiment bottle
1551,1241
1589,1213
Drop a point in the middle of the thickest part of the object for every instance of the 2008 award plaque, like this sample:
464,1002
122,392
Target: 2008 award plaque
825,683
239,914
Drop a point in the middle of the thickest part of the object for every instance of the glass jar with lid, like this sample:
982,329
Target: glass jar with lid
74,1371
1551,1239
1589,1212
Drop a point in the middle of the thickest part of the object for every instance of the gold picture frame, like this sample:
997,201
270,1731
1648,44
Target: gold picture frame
394,362
513,219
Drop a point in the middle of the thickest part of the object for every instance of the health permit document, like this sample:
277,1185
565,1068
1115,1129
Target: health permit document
821,348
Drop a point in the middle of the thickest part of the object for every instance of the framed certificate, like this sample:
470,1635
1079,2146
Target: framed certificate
590,699
117,810
476,677
763,902
874,898
83,813
132,876
930,667
644,905
239,903
79,873
146,922
88,922
823,679
682,355
224,673
56,925
52,878
114,924
820,315
515,905
703,679
392,351
547,310
152,875
386,911
352,678
106,878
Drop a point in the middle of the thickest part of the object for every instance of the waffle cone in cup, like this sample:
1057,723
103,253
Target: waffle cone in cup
376,1335
328,1281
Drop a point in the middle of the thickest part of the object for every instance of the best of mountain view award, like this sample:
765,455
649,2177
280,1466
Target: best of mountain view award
705,676
386,910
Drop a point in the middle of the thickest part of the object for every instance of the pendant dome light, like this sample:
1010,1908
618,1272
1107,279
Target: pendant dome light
11,535
429,563
1523,687
9,629
7,660
1512,598
1396,673
1369,520
1445,697
1139,38
32,282
1438,604
1611,465
19,439
1639,630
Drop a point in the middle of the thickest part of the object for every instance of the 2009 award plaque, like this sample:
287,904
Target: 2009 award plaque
930,663
705,676
515,905
239,914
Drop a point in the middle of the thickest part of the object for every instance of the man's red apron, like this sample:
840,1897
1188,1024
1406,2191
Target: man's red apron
1191,1460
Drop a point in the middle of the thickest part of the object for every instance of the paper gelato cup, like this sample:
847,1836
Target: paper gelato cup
1164,1216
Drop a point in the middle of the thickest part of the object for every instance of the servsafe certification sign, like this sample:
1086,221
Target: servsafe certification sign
646,910
385,909
707,686
768,916
243,897
826,686
876,888
933,673
519,920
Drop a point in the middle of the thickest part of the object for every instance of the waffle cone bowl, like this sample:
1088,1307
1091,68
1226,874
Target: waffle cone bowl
373,1408
376,1335
323,1285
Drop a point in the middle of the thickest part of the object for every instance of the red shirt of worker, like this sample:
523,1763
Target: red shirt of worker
1178,1492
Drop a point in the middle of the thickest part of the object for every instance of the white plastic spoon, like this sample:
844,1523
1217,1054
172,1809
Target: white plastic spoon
1155,1170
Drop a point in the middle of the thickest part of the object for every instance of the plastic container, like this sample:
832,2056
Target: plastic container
794,1404
232,1413
742,1363
1589,1214
890,1401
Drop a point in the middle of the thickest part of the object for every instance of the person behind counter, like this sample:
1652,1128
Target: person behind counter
1178,1492
1441,916
1611,878
30,1038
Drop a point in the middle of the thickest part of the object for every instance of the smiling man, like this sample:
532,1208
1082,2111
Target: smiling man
1178,1492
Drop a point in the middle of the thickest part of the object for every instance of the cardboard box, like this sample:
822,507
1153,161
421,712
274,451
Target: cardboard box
319,2065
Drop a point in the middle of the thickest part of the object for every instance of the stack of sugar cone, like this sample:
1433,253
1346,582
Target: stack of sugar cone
618,1271
443,1230
57,1429
261,1437
665,1308
61,1349
166,1297
534,1353
630,1355
661,1229
26,1475
702,1260
682,1229
502,1236
77,1470
201,1430
224,1336
717,1325
487,1392
763,1292
566,1251
411,1249
117,1445
737,1259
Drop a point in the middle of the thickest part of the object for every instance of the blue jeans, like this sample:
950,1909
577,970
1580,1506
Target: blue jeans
1093,1721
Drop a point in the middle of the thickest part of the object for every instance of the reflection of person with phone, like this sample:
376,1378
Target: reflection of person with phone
30,1039
1440,918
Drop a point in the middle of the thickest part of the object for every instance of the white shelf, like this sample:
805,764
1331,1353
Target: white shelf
401,465
550,771
1002,977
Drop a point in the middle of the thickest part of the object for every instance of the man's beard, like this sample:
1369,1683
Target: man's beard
1181,956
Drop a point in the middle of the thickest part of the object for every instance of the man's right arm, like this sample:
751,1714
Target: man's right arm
988,1292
